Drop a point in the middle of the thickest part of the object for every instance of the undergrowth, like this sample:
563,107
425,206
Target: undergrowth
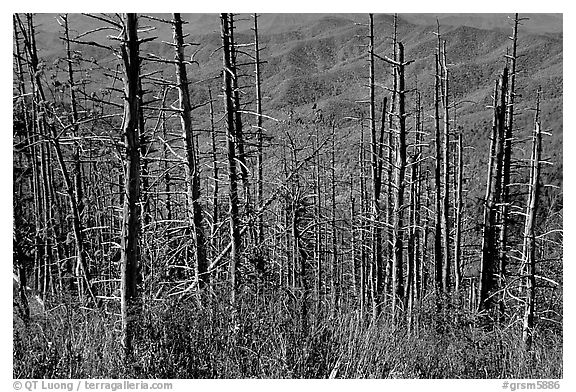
264,339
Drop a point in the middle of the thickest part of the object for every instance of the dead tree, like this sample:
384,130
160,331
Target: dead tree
297,215
363,224
458,214
166,168
488,281
43,196
77,171
77,167
259,130
145,146
192,170
376,144
46,126
424,254
319,248
411,239
32,146
398,229
353,241
390,165
529,247
215,174
334,281
446,178
413,267
228,76
129,257
505,200
238,125
438,250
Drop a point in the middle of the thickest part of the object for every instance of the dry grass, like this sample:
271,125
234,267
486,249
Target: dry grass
186,340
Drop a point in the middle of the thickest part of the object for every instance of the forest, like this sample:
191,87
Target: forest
287,196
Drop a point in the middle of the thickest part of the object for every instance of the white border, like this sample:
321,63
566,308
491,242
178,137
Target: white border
297,6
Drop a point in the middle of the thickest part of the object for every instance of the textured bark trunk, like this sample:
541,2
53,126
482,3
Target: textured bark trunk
505,200
131,215
260,132
216,187
231,156
195,215
488,281
438,184
529,248
458,216
238,126
376,165
446,178
363,208
334,283
399,184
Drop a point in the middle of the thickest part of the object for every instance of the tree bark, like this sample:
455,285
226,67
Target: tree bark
458,216
438,250
505,200
488,281
446,178
259,130
231,156
131,217
399,185
529,247
195,215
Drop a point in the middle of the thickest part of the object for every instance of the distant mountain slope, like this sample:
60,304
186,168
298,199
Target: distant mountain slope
538,23
322,60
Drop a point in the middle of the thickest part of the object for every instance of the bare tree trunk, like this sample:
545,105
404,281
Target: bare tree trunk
458,217
411,262
77,168
318,217
488,265
529,248
438,182
238,126
231,155
166,168
33,163
144,170
215,173
259,130
363,208
376,261
77,172
299,253
44,199
425,233
389,168
412,271
353,242
506,166
419,260
334,283
446,178
131,218
192,170
399,184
